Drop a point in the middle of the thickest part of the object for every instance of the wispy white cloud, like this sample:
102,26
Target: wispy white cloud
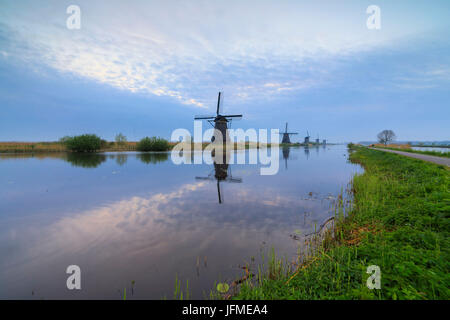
188,50
426,78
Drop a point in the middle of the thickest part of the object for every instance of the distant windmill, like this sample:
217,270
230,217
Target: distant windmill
222,172
286,134
324,141
317,140
220,121
307,137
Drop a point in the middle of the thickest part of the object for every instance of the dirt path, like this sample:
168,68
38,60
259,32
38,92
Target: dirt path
438,160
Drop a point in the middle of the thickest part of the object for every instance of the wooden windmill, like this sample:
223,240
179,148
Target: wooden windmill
219,122
307,137
286,134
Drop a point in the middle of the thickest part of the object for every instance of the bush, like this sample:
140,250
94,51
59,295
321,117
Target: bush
152,144
83,143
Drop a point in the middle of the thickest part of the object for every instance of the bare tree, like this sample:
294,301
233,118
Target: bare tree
121,139
386,136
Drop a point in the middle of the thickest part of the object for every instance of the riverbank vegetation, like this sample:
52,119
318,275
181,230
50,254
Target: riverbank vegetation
31,147
399,221
81,143
153,144
107,146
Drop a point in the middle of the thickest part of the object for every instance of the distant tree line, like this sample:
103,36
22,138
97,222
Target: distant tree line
92,143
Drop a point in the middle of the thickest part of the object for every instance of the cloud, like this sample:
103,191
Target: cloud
188,50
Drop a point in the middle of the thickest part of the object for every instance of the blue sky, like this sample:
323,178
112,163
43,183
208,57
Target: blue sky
145,68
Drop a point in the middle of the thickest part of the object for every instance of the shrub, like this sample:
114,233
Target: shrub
152,144
84,143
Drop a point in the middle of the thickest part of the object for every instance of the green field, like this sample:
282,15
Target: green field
399,221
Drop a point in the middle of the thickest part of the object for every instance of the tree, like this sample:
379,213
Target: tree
386,136
121,139
65,139
152,144
84,143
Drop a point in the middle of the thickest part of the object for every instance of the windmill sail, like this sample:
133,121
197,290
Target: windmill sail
218,103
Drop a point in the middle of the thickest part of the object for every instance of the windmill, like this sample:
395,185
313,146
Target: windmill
307,137
286,134
324,142
221,173
220,121
317,140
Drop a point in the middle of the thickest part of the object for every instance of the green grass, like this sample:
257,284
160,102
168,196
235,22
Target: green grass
430,153
399,221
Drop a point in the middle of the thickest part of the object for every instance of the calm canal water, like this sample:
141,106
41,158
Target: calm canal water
438,149
130,217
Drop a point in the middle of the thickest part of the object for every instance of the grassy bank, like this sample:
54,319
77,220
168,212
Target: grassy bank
47,147
399,221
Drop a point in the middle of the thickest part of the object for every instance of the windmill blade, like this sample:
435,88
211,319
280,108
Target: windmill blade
286,127
233,116
202,117
219,102
204,178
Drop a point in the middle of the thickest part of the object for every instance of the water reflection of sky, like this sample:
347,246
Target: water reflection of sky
125,217
438,149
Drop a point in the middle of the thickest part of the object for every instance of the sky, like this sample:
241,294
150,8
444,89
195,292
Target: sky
146,68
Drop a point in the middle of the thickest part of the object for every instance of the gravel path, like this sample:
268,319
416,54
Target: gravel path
424,157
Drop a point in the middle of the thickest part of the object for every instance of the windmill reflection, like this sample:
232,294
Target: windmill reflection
285,151
307,152
221,172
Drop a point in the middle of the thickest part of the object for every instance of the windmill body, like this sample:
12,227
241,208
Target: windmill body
286,134
307,138
219,122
